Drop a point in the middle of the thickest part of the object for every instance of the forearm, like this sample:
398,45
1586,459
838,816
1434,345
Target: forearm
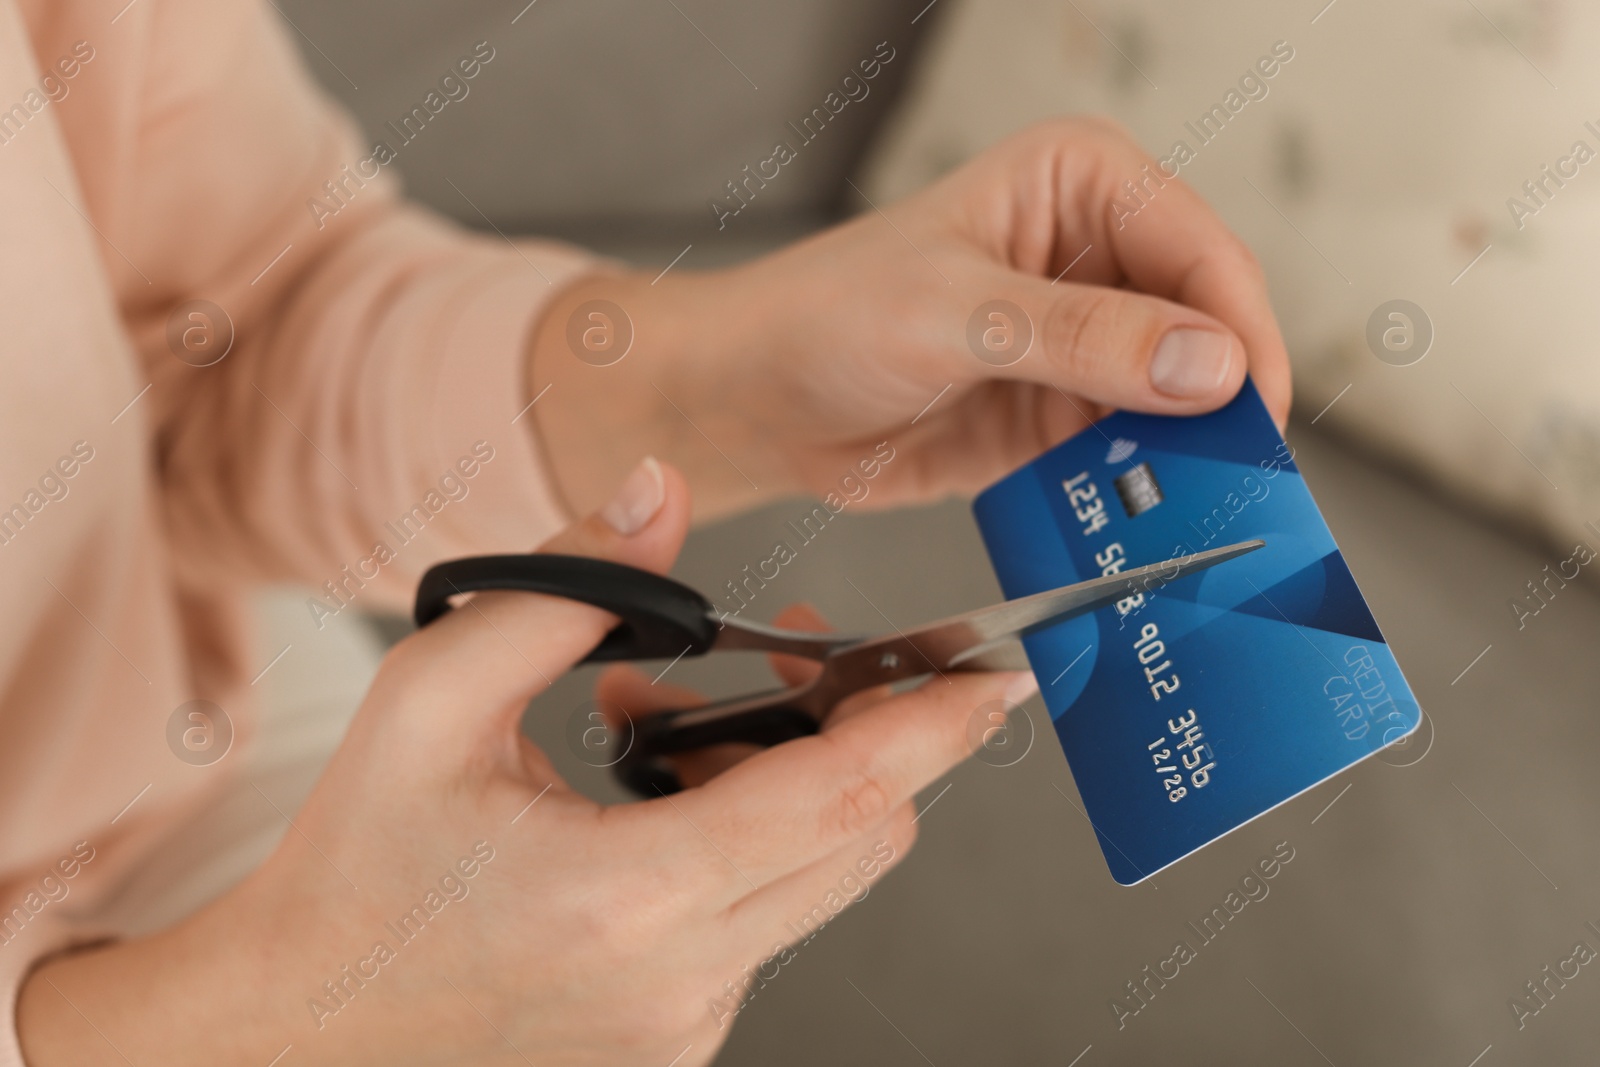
196,994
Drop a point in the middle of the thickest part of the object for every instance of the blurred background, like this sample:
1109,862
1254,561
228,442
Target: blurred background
1380,163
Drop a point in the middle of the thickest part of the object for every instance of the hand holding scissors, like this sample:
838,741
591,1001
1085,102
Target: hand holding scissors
664,619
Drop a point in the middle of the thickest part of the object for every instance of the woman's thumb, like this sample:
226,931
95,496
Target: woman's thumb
643,524
498,649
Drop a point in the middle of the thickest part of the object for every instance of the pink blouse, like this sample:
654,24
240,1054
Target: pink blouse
211,382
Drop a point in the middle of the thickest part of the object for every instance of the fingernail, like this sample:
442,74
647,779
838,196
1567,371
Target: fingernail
1191,363
1020,688
642,493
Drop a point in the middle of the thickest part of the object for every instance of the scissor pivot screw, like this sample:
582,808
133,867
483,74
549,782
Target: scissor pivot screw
889,661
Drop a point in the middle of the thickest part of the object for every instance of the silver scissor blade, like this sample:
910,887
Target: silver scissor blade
1006,654
964,642
1015,618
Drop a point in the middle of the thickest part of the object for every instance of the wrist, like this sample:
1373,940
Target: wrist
190,994
633,364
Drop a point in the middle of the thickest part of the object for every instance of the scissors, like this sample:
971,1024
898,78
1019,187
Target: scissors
665,619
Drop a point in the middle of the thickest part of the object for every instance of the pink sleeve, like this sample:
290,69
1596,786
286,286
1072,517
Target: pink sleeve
365,422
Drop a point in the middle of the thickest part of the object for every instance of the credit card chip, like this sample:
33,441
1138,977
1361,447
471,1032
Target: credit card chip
1138,490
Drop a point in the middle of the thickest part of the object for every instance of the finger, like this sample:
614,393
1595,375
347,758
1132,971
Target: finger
994,425
790,805
634,695
1114,347
795,907
470,673
1177,247
797,670
1161,239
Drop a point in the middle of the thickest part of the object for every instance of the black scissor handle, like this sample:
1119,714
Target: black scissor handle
645,769
661,618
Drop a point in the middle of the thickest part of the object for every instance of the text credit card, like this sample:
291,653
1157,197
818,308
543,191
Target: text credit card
1188,711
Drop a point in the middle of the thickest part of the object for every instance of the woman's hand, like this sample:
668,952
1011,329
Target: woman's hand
444,898
795,365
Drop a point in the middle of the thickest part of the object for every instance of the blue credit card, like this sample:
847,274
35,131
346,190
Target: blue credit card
1188,711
